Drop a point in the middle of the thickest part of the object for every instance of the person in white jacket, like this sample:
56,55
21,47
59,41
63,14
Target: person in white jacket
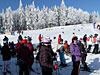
89,43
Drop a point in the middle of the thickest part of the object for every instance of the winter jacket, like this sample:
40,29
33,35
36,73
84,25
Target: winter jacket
59,39
60,47
30,46
46,56
89,41
24,54
95,40
5,51
17,46
83,52
6,39
66,46
75,52
40,38
84,38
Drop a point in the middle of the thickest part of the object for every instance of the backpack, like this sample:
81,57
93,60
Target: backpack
61,48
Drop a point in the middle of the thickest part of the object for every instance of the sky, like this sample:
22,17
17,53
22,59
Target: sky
86,5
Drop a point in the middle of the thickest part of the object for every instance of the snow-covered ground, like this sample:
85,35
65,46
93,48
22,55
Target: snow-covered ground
93,60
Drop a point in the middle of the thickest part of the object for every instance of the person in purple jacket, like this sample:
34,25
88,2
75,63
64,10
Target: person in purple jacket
76,55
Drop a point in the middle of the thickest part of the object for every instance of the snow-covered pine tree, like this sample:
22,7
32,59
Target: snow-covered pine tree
8,20
53,17
62,14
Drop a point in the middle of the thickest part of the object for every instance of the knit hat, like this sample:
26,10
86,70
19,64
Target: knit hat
61,40
46,40
75,38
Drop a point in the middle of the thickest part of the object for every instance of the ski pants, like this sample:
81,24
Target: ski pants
75,67
7,65
23,68
83,62
89,48
96,47
46,71
62,59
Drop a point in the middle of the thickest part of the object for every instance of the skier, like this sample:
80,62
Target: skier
6,54
96,44
20,37
24,58
84,54
30,46
94,24
40,38
89,42
61,50
18,45
66,46
59,37
12,48
46,57
85,40
76,55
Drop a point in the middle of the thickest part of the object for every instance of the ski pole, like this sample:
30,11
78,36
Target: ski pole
79,70
56,70
83,71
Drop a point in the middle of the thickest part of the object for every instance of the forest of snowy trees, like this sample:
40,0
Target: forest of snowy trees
32,17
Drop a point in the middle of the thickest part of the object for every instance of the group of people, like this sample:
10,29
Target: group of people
78,50
46,56
90,41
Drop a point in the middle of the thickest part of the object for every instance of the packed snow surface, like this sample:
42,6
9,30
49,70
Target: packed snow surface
93,60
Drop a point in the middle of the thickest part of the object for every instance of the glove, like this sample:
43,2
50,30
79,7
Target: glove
55,67
58,50
55,54
54,59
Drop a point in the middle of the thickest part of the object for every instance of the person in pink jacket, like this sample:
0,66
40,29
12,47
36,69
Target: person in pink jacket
30,46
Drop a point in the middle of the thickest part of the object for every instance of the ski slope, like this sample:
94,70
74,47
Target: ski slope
93,60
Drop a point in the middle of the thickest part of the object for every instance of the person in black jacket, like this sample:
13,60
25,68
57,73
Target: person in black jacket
85,40
46,57
6,55
83,55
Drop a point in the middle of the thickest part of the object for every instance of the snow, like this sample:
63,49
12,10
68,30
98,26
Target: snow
93,60
35,18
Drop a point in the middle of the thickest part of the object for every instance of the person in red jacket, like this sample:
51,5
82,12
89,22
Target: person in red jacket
59,37
30,46
66,46
24,56
40,38
17,46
